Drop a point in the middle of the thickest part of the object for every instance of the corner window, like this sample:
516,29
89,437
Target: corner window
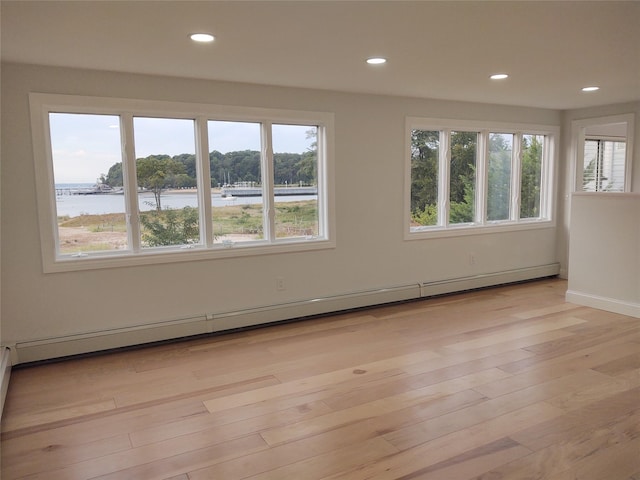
470,177
125,182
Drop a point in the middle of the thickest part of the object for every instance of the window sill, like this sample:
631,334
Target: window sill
424,233
162,256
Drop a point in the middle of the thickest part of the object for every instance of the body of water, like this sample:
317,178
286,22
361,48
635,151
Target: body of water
75,205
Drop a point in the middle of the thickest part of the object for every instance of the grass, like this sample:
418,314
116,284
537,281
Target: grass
108,222
292,219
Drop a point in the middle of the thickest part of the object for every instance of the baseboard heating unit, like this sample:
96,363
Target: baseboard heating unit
50,348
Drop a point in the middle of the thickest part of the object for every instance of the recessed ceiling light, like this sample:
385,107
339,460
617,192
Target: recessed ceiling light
376,60
499,76
590,89
202,37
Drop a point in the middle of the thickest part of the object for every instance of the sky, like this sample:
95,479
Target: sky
86,146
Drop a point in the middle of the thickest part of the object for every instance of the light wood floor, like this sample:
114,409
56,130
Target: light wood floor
506,383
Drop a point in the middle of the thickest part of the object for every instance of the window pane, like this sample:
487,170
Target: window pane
499,182
425,148
166,175
236,178
462,184
531,176
604,166
295,172
87,169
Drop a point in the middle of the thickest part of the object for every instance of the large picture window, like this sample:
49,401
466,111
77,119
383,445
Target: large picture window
469,177
125,182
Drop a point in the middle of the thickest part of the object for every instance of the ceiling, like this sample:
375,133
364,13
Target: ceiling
441,50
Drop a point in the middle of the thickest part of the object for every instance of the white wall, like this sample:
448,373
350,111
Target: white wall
566,180
370,252
604,257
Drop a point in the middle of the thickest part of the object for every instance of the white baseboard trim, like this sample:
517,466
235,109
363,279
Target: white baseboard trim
5,375
604,303
63,346
488,280
316,306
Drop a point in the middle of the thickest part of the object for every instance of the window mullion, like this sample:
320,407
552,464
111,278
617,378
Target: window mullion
266,157
546,178
516,181
130,182
444,174
203,169
322,179
482,177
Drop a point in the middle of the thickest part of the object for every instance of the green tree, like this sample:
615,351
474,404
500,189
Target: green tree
424,176
114,175
462,177
156,173
307,166
499,184
531,176
170,227
463,212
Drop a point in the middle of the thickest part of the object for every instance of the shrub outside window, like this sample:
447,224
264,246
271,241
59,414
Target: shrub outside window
123,182
471,177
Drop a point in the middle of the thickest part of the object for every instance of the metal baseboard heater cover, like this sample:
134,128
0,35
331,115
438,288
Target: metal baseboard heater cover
63,346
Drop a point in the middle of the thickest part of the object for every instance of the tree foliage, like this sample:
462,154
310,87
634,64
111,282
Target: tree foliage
170,227
499,185
157,172
424,177
531,176
462,177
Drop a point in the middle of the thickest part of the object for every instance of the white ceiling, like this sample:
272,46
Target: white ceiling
443,50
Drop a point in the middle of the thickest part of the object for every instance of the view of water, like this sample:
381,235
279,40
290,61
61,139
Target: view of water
74,205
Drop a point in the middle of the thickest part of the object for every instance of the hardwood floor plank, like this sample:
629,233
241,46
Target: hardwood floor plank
317,381
579,359
616,462
25,420
468,464
510,382
620,366
326,464
541,312
223,429
447,423
556,382
155,461
282,455
557,459
377,407
403,382
507,335
581,421
425,454
58,456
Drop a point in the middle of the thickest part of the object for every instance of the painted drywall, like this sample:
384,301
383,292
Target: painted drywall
369,184
566,174
604,257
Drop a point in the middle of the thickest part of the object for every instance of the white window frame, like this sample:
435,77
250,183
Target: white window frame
481,225
43,104
578,135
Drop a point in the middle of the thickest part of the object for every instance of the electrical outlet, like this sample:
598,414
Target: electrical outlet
280,286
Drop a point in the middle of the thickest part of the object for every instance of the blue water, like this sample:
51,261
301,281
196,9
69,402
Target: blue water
74,205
